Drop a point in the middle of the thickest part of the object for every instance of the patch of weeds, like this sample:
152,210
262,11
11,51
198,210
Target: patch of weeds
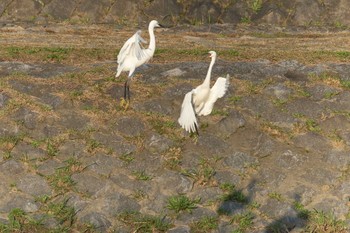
144,223
279,102
345,84
139,194
235,99
255,5
302,212
275,130
19,221
195,51
203,174
92,145
8,142
246,20
173,158
205,224
51,148
229,53
141,175
227,187
76,93
162,126
276,196
298,115
61,180
312,125
244,221
182,203
320,221
62,212
127,157
343,54
331,94
220,112
327,78
235,196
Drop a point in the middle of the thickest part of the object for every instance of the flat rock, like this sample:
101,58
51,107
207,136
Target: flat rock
34,185
88,183
130,126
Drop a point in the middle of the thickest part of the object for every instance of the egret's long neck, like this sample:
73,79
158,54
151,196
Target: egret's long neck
152,42
207,78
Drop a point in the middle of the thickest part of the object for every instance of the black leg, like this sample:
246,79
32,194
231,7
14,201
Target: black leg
126,86
128,92
195,125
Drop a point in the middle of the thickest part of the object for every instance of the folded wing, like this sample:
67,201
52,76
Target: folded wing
217,91
188,119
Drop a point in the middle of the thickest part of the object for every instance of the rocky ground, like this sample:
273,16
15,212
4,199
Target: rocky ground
272,157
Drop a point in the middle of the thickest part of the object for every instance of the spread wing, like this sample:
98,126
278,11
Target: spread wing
217,91
188,119
132,47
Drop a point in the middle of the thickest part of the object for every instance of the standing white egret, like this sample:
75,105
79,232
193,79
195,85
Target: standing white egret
201,100
133,55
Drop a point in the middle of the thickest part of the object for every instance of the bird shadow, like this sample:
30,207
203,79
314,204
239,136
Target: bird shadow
240,207
297,219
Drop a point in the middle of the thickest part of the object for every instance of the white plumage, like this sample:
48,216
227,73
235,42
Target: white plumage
133,55
201,100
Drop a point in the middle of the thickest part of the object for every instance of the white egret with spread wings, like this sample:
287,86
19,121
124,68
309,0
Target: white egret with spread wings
200,101
133,55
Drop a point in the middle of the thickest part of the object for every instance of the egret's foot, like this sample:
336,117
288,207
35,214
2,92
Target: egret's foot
124,104
127,103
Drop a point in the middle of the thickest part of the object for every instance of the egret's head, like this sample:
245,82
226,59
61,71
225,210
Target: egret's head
154,23
212,54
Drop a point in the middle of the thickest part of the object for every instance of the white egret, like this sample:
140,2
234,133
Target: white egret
133,55
201,100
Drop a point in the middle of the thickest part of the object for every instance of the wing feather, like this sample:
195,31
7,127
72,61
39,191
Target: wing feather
188,119
217,91
132,47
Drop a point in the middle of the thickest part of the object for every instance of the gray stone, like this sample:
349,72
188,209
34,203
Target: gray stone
111,204
227,177
130,126
88,183
28,117
230,124
115,142
25,151
180,229
195,215
289,160
212,144
102,164
239,161
3,100
73,120
173,72
179,183
71,149
98,220
312,142
49,167
279,91
338,158
11,167
9,202
34,185
276,209
159,105
321,176
159,143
